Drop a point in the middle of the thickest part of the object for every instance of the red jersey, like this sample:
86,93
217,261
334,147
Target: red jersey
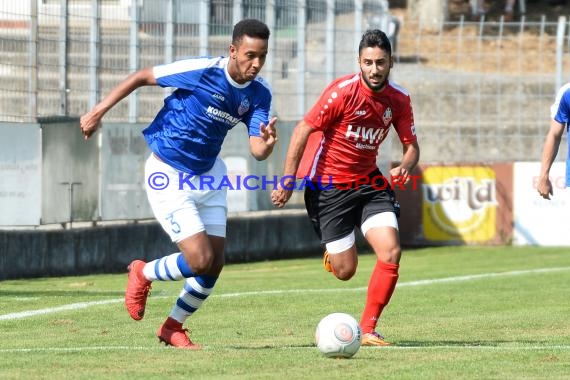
351,121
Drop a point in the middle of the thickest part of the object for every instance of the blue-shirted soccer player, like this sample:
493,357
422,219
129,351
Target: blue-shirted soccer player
212,96
560,120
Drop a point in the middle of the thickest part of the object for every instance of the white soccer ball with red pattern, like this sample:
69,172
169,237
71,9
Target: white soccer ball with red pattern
338,335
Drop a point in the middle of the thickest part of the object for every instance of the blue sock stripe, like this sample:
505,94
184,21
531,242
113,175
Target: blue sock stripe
167,270
206,281
193,292
183,305
157,267
183,267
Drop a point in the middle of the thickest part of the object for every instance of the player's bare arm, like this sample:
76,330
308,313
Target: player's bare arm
91,121
549,152
410,158
299,138
261,146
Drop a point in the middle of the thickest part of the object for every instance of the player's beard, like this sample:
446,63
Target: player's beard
375,86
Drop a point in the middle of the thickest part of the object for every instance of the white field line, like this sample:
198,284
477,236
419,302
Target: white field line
311,347
49,310
84,305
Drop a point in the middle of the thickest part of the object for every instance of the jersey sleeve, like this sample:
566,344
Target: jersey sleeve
310,153
327,109
404,123
261,109
181,74
560,110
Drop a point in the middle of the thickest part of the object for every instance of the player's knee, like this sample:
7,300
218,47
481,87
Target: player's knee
392,255
217,266
202,263
344,273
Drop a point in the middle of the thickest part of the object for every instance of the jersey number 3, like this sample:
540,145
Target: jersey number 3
175,227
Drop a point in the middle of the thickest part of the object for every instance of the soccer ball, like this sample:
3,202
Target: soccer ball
338,335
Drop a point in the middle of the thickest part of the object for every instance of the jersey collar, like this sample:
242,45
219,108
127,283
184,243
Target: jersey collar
229,78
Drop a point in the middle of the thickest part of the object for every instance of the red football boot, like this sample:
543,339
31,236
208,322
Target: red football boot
137,292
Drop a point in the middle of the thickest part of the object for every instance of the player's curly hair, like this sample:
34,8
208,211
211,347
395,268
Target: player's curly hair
251,28
375,38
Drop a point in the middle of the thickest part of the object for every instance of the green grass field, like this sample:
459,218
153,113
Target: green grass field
458,313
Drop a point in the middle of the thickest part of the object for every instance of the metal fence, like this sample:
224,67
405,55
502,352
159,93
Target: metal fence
481,90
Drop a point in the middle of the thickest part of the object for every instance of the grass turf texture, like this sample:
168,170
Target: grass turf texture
260,322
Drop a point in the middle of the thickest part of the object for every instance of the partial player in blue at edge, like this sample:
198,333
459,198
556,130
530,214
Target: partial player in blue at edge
559,121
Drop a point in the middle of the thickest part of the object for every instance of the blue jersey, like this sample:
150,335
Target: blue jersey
188,132
560,111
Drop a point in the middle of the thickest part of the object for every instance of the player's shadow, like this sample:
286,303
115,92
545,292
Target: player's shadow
270,347
457,343
403,344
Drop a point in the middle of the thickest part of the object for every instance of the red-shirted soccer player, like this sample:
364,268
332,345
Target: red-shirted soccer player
337,143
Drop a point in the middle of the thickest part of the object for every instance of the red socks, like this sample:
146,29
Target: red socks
380,288
172,324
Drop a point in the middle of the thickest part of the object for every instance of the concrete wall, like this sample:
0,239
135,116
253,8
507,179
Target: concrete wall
67,160
430,13
253,236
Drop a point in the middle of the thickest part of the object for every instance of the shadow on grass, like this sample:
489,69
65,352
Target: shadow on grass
459,343
402,344
271,347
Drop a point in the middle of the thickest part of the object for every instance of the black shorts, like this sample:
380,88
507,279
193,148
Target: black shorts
335,210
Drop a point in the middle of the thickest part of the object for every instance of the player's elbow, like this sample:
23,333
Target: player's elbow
260,151
260,156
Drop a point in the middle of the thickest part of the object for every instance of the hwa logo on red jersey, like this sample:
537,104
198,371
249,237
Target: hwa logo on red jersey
368,135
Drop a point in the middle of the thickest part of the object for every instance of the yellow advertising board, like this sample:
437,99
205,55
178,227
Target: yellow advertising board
459,203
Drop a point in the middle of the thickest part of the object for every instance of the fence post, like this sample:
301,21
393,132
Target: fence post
63,47
270,21
33,62
301,53
134,58
329,41
204,12
169,37
522,6
358,17
238,11
560,31
169,33
94,53
430,13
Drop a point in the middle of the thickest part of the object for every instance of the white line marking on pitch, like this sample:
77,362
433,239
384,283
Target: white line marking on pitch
71,306
161,348
83,305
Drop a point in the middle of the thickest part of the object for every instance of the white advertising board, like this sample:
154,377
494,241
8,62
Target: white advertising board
237,194
20,170
123,156
538,221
